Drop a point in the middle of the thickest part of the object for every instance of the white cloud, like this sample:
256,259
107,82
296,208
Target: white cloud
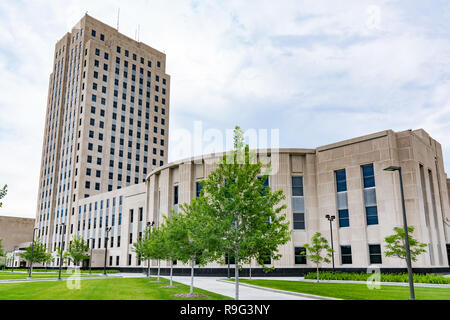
315,69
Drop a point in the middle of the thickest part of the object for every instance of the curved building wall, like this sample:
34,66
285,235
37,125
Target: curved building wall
367,208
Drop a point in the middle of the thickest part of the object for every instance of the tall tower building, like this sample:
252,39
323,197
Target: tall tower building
106,124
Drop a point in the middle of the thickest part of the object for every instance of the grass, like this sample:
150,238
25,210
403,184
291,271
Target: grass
384,277
56,270
41,275
101,289
350,291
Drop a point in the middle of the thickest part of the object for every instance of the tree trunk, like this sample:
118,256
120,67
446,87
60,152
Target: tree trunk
192,276
148,268
159,268
317,266
250,269
228,258
171,272
236,272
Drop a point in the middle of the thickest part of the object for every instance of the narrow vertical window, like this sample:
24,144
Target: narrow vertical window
298,203
175,198
370,198
198,188
341,198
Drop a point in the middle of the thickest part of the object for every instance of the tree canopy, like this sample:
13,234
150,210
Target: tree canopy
77,250
396,247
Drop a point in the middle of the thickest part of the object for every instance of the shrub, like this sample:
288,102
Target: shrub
384,277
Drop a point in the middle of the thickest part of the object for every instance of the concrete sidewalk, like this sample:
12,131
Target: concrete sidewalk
246,292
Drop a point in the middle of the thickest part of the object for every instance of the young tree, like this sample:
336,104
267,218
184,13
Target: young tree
314,251
395,244
173,236
39,252
146,247
3,192
197,240
77,251
2,252
248,214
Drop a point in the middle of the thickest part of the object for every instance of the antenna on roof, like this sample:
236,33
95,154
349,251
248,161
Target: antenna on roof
139,26
118,15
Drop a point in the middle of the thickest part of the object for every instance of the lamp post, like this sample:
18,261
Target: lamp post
13,258
90,258
405,229
30,273
63,225
331,218
149,224
106,247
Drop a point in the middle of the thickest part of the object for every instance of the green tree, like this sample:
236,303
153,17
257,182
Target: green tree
318,251
39,252
3,192
250,217
173,235
77,251
146,248
150,246
197,240
395,244
2,252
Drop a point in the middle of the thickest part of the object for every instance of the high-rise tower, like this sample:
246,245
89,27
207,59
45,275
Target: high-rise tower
107,121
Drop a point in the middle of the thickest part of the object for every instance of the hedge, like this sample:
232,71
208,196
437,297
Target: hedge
385,277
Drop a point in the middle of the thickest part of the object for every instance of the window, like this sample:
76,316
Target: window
374,253
198,188
370,199
93,33
298,203
129,259
300,255
341,198
117,260
346,254
131,238
175,195
141,215
229,259
131,215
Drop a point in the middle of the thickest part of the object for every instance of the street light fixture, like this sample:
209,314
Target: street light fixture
13,258
63,225
149,224
331,218
106,247
90,258
405,229
30,273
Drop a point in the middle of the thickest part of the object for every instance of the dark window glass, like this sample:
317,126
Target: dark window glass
372,215
368,176
300,255
346,254
341,181
344,220
297,186
374,253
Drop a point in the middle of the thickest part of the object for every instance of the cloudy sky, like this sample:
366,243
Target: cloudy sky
319,71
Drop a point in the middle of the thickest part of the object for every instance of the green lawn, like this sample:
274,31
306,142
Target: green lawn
350,291
101,289
39,275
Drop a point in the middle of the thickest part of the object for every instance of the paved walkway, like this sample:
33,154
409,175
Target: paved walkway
246,292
